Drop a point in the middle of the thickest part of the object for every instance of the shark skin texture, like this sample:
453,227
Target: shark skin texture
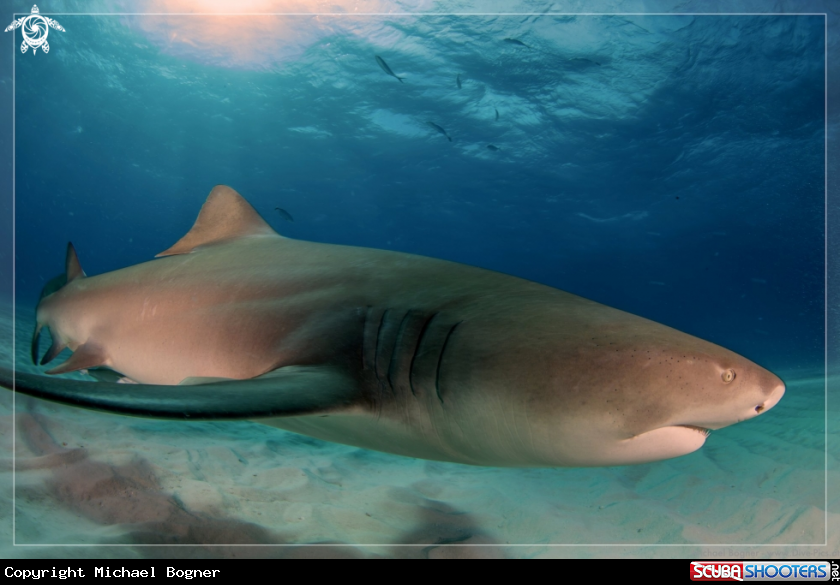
384,350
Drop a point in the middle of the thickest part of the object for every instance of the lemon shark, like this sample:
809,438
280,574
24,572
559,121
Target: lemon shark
384,350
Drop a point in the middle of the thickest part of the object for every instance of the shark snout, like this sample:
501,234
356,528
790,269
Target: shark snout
768,395
758,392
772,399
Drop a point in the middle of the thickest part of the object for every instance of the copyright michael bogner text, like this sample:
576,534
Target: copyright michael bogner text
71,573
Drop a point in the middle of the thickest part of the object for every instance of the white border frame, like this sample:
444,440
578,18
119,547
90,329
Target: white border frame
434,14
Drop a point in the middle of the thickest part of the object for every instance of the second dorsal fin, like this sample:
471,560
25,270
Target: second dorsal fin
224,216
73,269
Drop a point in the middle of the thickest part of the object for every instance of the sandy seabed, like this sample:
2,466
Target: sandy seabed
85,484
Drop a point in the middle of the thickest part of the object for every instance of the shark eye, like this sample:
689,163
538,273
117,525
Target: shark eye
727,376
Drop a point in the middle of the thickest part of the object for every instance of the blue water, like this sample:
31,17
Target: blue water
669,166
680,179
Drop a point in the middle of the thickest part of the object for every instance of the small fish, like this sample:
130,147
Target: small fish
516,42
579,61
583,61
385,67
493,147
497,114
458,80
284,214
439,129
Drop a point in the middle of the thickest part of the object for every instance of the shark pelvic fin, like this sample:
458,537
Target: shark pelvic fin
34,348
224,216
289,391
56,348
73,269
88,355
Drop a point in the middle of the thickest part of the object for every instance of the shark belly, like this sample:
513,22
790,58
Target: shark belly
412,430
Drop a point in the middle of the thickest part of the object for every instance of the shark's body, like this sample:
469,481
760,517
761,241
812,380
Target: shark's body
389,351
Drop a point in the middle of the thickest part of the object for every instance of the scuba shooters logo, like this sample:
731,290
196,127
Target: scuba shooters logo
760,571
35,29
717,571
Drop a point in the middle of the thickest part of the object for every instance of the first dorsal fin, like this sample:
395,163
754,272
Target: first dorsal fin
224,216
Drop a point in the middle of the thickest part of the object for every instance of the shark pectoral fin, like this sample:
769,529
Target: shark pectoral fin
224,216
197,380
289,391
86,356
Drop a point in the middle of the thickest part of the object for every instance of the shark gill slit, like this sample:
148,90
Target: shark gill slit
440,359
365,337
420,339
396,353
376,351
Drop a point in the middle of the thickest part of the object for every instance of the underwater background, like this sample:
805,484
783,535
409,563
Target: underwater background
671,165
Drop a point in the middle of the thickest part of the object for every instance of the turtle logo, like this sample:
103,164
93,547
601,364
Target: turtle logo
35,30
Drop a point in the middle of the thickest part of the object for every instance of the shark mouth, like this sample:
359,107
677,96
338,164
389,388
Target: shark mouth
660,443
706,432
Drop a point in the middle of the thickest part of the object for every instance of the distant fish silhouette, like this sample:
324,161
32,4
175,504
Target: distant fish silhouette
284,214
458,80
439,129
497,114
583,61
387,69
516,42
579,61
493,147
